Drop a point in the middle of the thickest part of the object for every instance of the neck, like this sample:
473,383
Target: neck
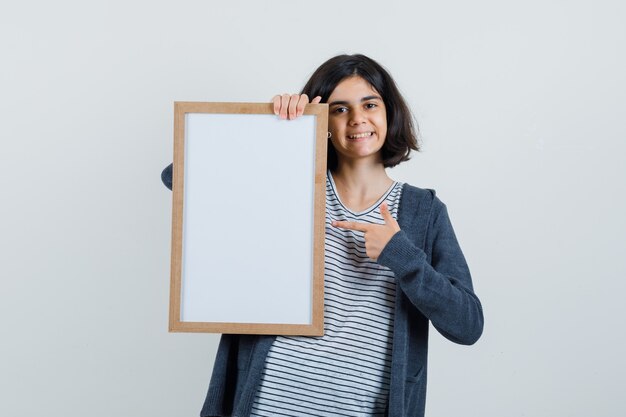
360,174
360,183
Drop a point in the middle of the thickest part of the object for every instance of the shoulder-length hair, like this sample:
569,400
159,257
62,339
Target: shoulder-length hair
402,132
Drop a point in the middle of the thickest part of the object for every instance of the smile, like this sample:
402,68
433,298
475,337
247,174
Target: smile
361,135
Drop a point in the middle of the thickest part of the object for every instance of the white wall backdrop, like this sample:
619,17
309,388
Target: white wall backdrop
521,107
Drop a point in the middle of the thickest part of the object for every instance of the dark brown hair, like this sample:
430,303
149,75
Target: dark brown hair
402,132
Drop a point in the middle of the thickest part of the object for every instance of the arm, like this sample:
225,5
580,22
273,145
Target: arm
442,290
166,176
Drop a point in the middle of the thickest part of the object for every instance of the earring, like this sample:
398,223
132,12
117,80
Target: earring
330,135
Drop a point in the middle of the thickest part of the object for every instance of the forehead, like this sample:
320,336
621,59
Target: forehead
353,89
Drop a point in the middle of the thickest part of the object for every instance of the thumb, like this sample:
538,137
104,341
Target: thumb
384,211
316,100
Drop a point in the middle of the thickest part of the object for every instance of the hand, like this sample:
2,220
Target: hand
291,106
376,235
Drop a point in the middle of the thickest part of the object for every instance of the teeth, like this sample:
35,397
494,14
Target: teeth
360,135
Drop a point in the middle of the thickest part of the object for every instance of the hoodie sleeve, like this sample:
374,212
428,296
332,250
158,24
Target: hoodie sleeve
166,176
442,289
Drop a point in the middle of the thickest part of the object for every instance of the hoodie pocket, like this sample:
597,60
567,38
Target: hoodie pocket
415,394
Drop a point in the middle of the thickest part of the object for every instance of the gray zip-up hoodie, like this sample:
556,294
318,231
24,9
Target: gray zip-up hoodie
435,285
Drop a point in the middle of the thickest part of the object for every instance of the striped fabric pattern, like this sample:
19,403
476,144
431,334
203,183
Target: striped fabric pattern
346,371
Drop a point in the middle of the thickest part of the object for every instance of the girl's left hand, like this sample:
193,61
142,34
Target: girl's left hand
376,235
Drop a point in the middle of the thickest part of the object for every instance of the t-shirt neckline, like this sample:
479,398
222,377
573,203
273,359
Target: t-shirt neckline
367,210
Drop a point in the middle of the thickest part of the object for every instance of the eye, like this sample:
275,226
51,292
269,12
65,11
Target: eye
371,105
340,110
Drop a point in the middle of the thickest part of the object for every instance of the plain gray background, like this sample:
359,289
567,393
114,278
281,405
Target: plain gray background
521,107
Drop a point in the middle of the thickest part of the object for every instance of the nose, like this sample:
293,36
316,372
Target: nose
357,117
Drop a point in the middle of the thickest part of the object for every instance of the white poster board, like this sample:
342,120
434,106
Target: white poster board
248,219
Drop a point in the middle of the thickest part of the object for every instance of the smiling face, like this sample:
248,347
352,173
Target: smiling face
357,120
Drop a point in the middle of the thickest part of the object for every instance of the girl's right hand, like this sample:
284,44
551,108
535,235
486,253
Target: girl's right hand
290,106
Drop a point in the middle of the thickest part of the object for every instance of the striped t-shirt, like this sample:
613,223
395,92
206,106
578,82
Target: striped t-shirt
346,372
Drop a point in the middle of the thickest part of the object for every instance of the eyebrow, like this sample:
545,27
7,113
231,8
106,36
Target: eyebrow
366,98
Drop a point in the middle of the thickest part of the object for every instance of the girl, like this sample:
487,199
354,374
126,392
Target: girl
392,264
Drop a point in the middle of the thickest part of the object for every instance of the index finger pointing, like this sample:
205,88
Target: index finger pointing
361,227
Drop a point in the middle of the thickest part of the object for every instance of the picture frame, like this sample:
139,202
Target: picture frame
248,219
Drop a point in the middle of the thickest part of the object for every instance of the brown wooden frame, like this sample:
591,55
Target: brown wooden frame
316,328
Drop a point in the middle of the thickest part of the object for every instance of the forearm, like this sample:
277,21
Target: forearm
447,300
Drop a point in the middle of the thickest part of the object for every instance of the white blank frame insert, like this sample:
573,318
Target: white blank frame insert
248,219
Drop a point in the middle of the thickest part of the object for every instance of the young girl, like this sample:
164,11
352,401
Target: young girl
392,264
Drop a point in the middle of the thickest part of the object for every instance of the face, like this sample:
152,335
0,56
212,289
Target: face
357,120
